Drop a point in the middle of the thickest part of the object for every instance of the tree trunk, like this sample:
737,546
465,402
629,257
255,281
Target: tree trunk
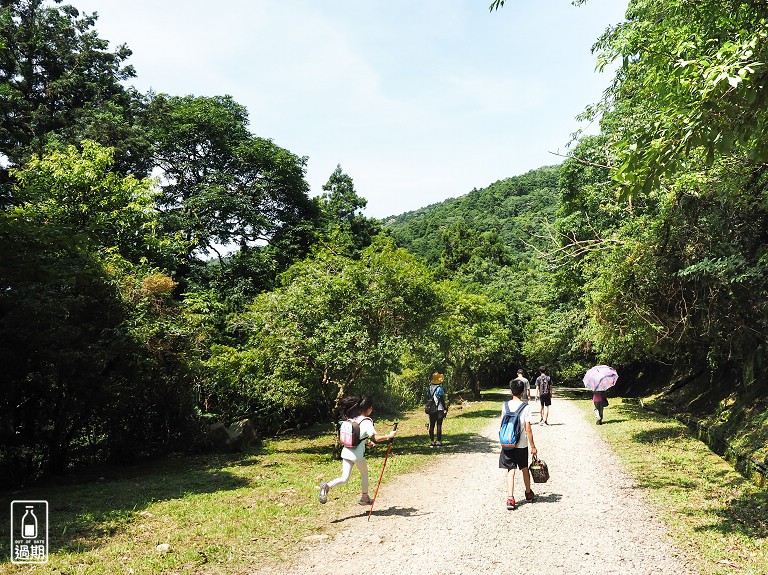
341,389
58,439
474,384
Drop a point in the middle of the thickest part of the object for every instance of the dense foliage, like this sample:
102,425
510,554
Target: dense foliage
654,250
684,119
119,335
134,310
93,346
488,243
335,326
59,84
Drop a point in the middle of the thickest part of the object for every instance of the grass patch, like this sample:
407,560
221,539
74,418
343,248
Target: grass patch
731,419
719,517
221,513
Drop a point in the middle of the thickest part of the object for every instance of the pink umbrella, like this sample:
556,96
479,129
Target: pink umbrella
600,378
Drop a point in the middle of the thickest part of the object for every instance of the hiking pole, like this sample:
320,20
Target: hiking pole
389,448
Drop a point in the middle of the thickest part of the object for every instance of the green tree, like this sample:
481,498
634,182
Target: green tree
472,333
75,193
692,78
221,185
342,211
459,242
60,84
340,200
94,349
338,325
684,123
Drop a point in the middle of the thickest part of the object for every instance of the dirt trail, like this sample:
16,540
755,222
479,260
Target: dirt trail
450,518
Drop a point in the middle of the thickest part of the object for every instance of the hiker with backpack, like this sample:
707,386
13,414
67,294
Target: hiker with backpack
544,385
435,406
515,437
355,432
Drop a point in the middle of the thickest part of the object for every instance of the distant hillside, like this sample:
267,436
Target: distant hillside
513,207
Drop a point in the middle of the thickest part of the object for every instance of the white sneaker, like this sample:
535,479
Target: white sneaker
323,495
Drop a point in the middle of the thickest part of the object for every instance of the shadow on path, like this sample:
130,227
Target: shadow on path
548,498
389,512
477,444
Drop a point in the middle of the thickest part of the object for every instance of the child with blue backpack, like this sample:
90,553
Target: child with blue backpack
517,412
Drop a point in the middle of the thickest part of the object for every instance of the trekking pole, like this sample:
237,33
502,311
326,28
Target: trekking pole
389,448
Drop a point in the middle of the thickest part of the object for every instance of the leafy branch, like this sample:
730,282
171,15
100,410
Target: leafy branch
567,247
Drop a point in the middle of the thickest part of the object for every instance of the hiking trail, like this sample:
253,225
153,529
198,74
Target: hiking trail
450,517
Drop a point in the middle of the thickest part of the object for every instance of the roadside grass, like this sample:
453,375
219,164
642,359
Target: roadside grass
719,517
731,419
222,513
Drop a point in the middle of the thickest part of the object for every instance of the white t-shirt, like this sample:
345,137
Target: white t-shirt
525,417
366,430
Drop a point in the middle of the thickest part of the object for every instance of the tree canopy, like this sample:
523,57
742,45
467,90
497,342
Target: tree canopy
221,185
59,83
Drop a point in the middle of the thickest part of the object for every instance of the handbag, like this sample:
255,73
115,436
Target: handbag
539,470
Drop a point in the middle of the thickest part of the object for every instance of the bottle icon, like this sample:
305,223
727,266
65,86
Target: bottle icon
29,524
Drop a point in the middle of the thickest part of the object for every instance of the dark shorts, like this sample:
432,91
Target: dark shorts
546,399
514,459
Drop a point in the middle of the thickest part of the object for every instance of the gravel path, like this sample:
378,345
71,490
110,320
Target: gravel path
450,518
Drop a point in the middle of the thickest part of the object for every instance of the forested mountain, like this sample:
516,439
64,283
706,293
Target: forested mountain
510,211
498,242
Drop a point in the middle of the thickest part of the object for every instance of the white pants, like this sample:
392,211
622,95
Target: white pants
346,471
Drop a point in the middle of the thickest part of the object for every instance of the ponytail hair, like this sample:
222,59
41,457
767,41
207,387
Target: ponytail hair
354,405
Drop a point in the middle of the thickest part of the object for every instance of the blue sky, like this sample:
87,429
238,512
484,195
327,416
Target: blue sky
418,100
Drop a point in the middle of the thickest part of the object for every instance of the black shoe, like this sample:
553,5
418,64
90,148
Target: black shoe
530,495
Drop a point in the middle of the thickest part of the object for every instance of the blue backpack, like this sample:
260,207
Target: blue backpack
509,432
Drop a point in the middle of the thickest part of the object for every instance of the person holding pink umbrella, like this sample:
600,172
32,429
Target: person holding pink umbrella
600,401
599,379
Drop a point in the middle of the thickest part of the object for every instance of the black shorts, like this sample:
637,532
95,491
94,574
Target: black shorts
545,399
514,458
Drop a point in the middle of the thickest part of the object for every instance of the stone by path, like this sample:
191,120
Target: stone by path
450,518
